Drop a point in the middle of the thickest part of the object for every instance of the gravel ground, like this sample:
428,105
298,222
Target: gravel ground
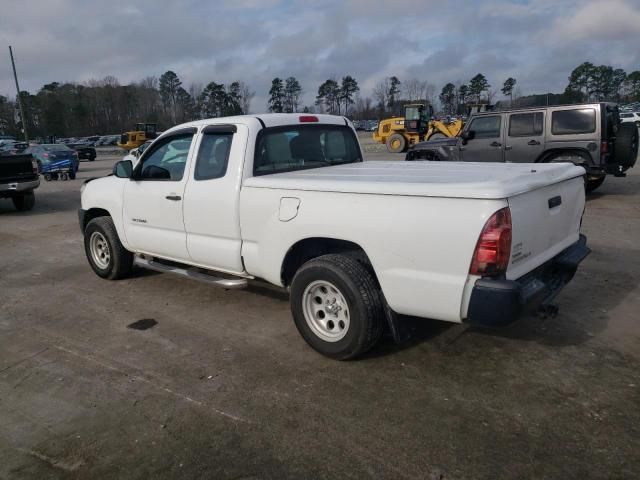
222,386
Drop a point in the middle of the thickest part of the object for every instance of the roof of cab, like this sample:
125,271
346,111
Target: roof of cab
266,119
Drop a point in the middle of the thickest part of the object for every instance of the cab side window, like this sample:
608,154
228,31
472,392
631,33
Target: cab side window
213,156
167,160
486,126
525,124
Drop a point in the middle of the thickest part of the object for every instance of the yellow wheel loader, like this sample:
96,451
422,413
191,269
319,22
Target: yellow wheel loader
398,133
142,133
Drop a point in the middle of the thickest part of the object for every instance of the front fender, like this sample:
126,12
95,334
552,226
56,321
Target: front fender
106,193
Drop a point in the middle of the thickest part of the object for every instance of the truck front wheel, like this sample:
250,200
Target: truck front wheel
106,255
336,306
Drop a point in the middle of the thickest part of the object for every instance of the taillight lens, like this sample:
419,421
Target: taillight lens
493,250
34,166
604,147
308,119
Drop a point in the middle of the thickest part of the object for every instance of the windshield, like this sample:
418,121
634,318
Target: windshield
298,147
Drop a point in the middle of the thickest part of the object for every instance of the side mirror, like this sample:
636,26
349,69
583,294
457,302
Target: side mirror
467,135
123,169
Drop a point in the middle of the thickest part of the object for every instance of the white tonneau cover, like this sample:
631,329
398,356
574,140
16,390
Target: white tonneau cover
426,179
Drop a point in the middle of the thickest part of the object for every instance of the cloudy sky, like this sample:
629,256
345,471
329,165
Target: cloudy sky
536,41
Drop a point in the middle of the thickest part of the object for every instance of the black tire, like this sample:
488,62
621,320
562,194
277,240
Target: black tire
47,177
396,143
72,175
626,151
120,261
24,202
363,299
593,183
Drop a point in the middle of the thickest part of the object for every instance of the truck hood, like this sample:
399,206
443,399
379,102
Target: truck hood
442,142
425,179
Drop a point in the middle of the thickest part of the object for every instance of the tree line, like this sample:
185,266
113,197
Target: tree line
106,106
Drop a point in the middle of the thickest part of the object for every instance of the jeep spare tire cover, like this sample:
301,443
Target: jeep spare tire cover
626,150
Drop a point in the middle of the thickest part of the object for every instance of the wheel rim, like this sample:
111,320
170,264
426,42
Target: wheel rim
99,250
395,143
326,311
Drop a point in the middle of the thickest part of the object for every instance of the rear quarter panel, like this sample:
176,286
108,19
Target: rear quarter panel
420,247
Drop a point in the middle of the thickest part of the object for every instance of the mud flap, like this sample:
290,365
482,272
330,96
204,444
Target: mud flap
400,330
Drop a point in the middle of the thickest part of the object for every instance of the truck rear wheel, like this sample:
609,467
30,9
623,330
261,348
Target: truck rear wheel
336,306
106,254
396,143
24,202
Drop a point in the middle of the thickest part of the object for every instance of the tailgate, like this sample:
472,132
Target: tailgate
15,168
545,221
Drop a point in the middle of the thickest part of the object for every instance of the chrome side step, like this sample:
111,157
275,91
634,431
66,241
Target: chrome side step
192,273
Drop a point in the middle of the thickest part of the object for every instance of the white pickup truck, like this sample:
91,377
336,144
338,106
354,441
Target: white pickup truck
287,199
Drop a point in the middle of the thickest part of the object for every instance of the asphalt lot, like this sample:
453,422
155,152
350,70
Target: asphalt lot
223,387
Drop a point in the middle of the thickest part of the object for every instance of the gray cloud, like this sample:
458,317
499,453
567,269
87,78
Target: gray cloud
536,41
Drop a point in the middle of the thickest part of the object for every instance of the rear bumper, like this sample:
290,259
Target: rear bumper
8,189
497,302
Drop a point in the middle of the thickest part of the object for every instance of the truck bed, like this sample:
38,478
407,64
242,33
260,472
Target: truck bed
426,179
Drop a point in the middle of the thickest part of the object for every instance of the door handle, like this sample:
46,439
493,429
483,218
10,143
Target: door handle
508,147
533,142
495,144
173,197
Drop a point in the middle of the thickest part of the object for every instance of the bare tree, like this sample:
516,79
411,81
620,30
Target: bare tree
414,90
246,95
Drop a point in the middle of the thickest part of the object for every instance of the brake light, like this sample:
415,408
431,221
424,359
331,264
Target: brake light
493,249
34,166
604,147
308,118
45,155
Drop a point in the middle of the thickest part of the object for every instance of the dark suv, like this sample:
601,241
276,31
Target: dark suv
589,135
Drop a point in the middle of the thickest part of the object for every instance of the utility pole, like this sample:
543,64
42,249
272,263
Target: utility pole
23,120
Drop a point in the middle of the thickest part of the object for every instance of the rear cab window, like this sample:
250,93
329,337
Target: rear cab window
572,122
300,147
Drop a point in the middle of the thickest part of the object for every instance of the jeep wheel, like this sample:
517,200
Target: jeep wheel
626,146
594,182
396,143
336,306
24,202
106,255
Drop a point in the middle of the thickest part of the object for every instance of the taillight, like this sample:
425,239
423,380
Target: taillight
45,155
493,250
308,118
604,147
34,166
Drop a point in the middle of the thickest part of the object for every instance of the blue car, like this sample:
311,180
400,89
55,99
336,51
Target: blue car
55,159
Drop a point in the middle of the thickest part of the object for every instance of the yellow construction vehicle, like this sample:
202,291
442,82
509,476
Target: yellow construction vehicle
142,133
398,133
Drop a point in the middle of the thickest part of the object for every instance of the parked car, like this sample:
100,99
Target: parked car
47,154
591,136
85,150
18,179
287,198
630,117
